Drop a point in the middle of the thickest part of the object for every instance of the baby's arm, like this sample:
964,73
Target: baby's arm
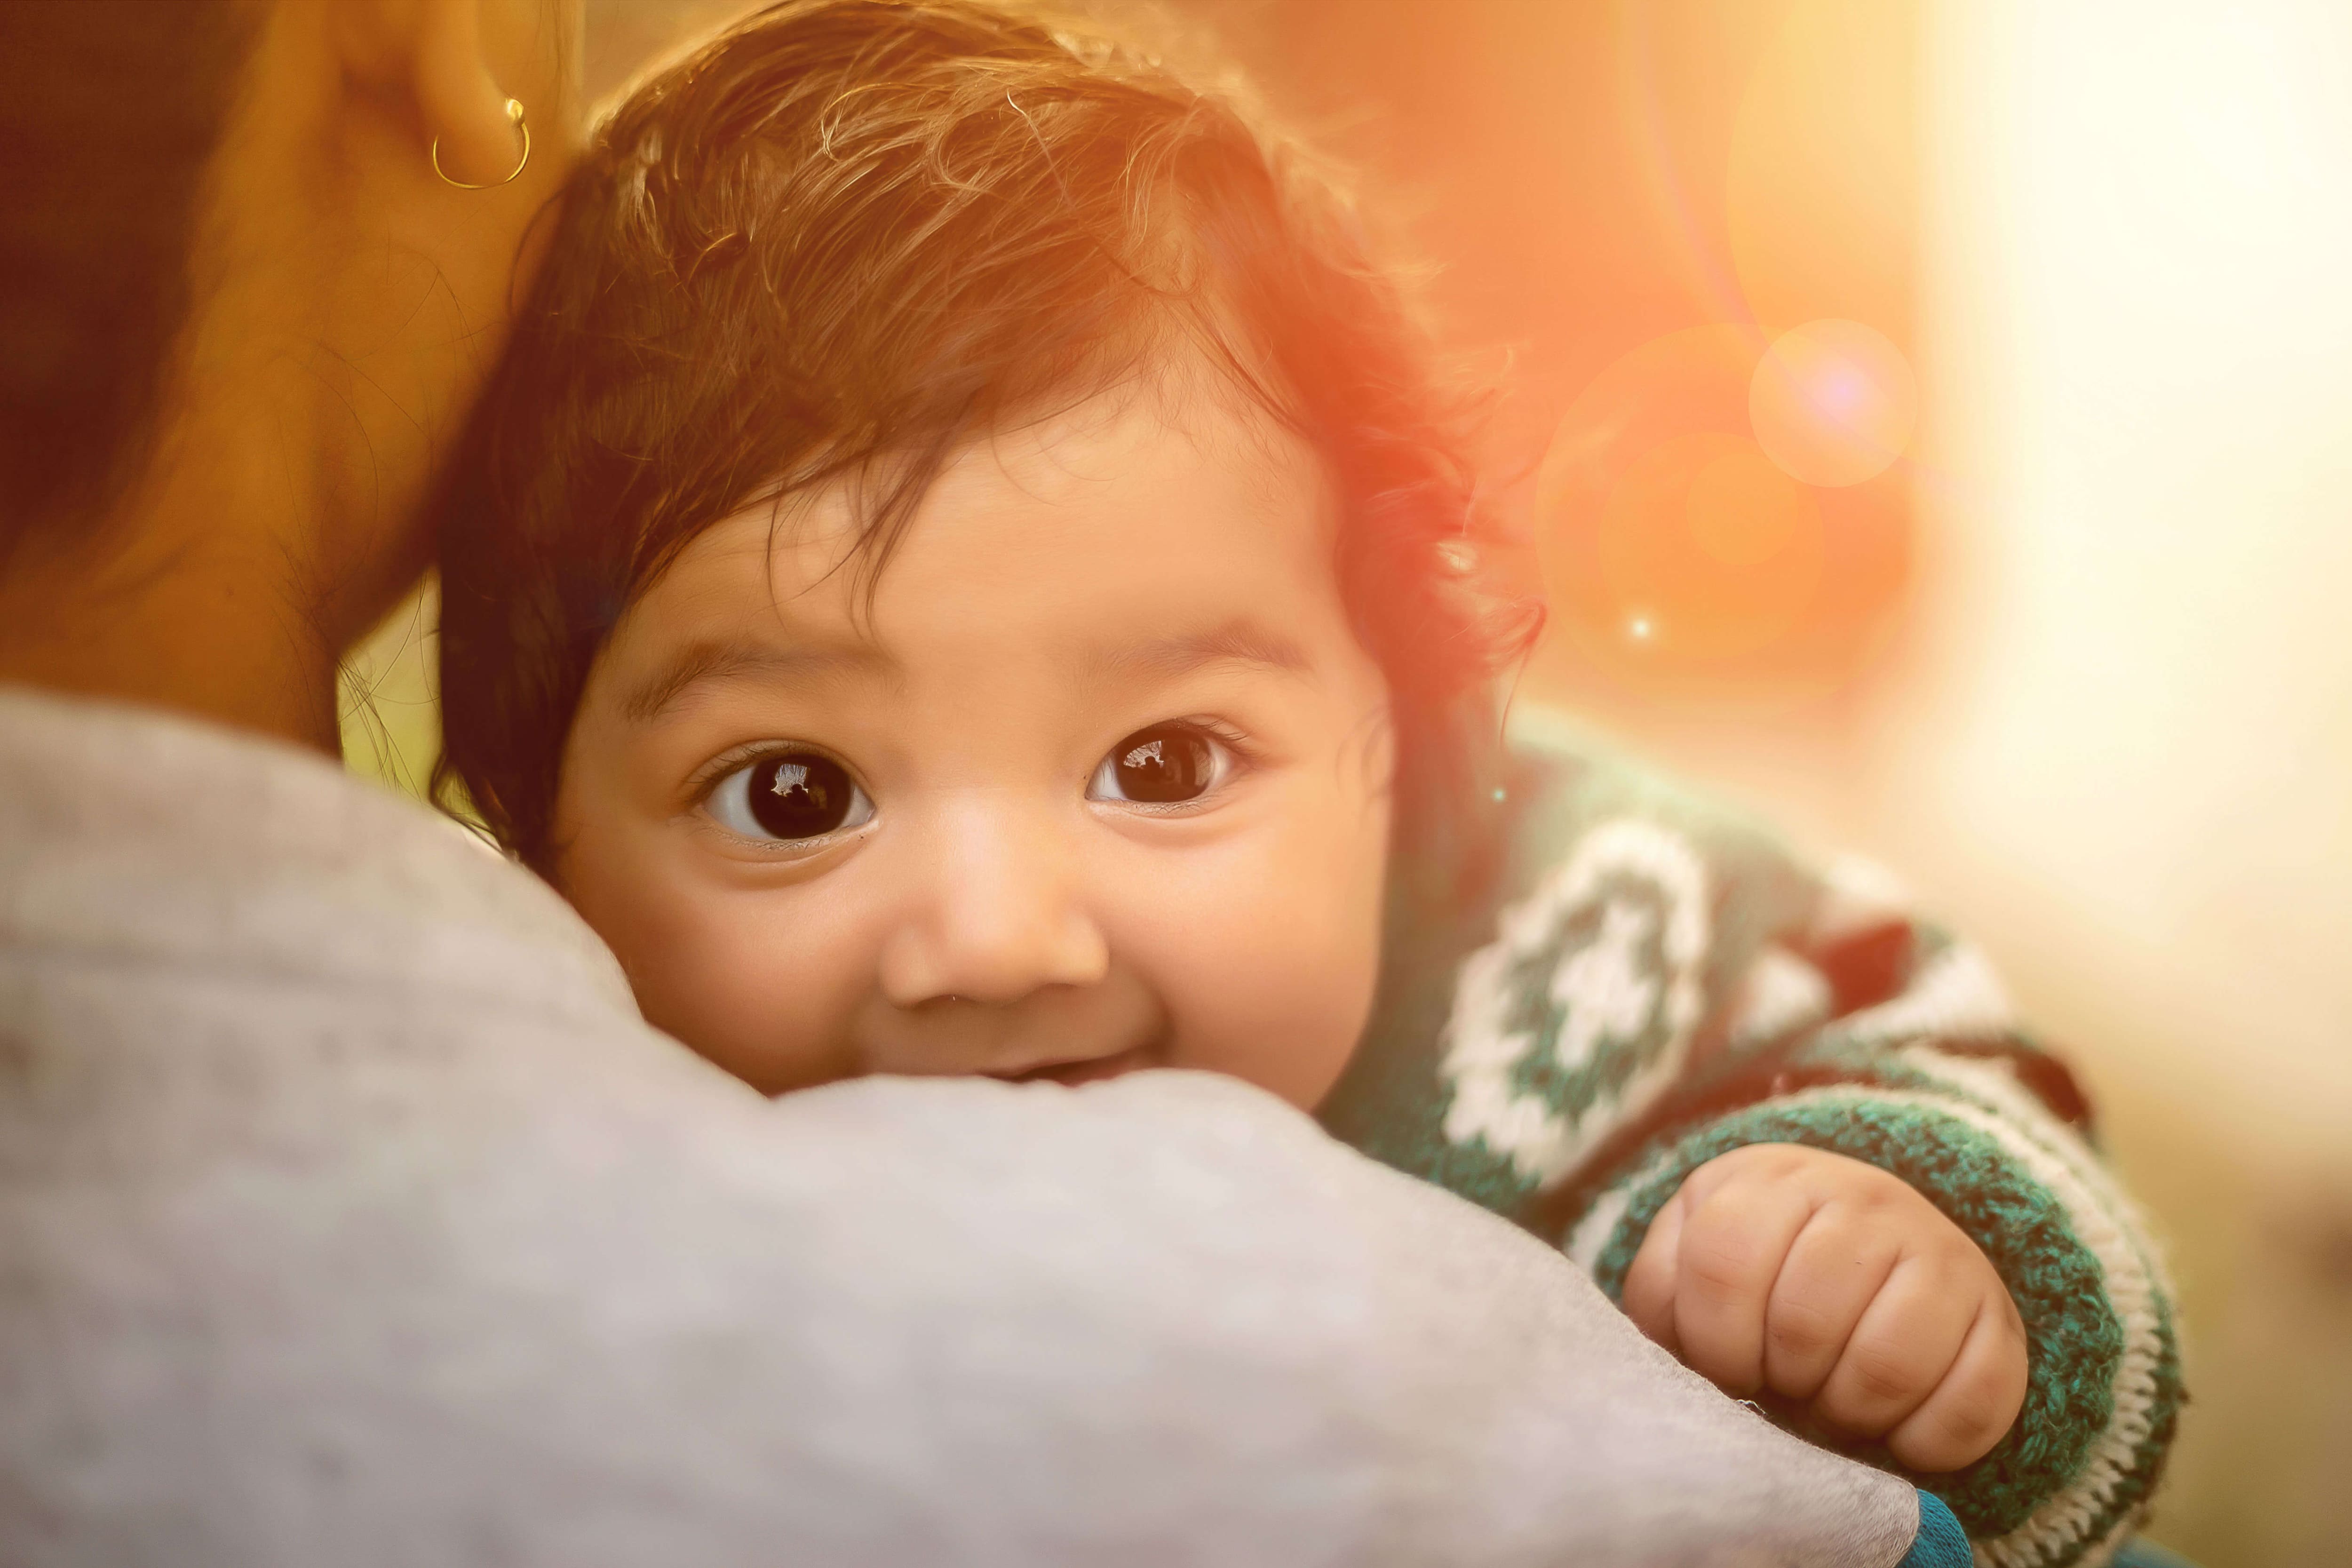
1778,1269
1909,1065
1661,1040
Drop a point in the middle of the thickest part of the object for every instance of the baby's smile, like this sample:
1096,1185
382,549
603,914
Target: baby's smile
1064,1033
1093,1069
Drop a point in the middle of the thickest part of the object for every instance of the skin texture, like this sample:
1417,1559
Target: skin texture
1153,554
1831,1282
348,305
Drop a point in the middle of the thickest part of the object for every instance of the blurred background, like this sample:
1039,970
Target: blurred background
1931,421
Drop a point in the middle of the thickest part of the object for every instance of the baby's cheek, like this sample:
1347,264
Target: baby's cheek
1288,1026
1269,976
740,983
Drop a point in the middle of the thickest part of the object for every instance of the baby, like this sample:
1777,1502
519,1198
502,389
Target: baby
969,569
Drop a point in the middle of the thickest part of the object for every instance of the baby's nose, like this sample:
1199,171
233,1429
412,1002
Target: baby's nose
997,912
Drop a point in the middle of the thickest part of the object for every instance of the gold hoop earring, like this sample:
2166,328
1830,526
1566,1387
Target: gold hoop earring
514,118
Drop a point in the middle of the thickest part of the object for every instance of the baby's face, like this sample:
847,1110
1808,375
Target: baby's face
1099,784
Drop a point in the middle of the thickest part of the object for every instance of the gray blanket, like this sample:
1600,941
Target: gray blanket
349,1215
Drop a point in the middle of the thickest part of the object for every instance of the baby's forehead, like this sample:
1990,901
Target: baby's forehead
1176,463
1155,504
1173,415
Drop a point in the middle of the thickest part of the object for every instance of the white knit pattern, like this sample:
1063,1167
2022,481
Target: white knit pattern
1779,994
1606,997
1857,894
1607,1212
1956,995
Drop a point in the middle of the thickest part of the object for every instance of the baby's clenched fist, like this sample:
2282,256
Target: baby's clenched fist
1828,1281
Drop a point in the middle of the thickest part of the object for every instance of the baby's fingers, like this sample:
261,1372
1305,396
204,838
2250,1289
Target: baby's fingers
1649,1294
1839,1264
1732,1243
1909,1337
1977,1398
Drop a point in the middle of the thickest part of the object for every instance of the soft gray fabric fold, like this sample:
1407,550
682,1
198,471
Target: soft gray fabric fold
349,1215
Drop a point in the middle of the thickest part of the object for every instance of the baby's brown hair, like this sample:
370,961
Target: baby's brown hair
845,237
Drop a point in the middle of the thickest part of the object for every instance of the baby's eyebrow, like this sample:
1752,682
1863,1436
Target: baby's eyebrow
708,662
1238,641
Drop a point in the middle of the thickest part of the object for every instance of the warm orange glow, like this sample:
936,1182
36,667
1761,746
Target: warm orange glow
1722,549
1725,512
1744,515
1833,403
1821,184
1682,554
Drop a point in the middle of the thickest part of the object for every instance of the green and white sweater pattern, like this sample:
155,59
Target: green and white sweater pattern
1649,982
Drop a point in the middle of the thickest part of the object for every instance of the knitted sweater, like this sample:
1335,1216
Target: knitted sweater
1648,981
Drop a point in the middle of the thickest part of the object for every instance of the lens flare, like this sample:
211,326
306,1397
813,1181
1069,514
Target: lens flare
1714,554
1833,403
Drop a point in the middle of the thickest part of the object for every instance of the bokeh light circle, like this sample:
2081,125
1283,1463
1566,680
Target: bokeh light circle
1710,552
1833,403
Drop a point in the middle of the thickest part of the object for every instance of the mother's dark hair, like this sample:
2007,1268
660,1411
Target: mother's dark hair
112,112
845,237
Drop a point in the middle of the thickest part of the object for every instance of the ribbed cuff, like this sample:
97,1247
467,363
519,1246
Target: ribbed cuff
2071,1478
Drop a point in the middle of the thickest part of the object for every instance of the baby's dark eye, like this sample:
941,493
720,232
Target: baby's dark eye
1163,765
790,795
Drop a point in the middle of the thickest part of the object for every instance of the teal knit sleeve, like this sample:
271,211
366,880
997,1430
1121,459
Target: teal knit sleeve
1652,981
1933,1086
